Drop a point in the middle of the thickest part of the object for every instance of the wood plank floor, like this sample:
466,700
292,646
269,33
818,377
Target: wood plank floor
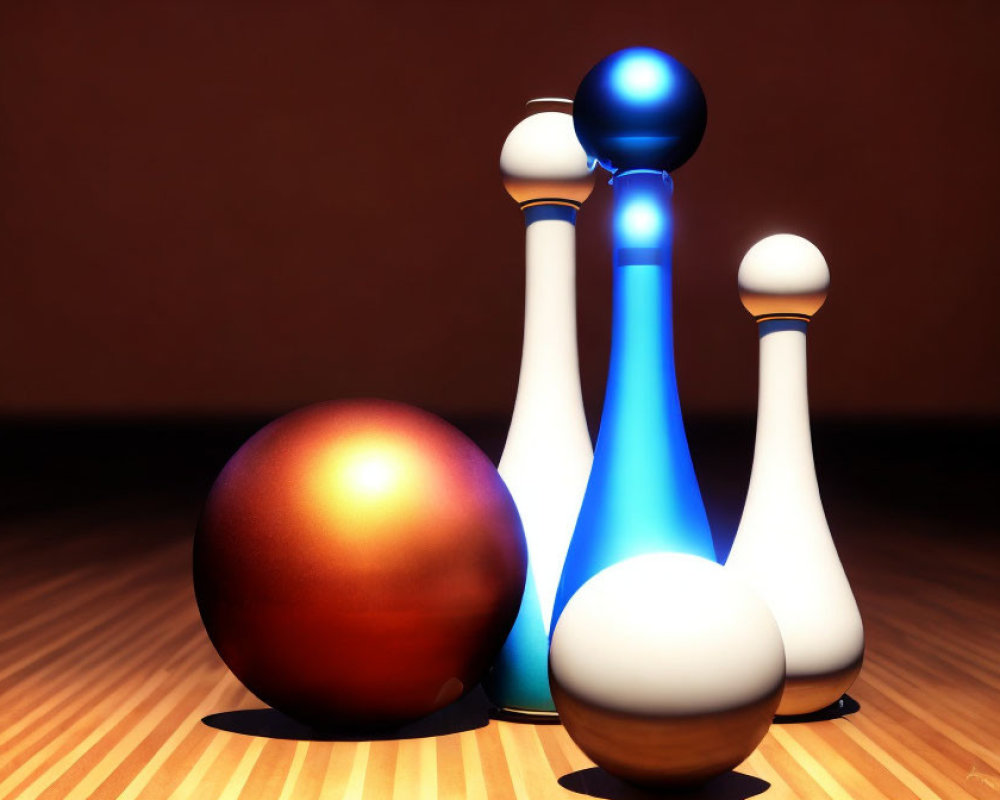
109,687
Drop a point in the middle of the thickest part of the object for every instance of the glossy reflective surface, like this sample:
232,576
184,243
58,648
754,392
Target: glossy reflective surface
359,562
640,108
643,495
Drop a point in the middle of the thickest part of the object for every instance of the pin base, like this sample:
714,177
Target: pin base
813,693
525,715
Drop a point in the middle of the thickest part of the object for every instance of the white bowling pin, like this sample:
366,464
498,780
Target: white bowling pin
783,546
547,457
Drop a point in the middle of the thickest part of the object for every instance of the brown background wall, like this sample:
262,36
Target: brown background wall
242,207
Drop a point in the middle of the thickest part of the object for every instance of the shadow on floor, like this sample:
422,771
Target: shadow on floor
595,782
466,714
844,706
526,718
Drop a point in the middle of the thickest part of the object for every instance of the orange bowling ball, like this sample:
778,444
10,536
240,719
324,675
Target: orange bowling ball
359,563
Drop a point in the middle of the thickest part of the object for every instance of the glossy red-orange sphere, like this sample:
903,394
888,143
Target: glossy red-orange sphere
359,563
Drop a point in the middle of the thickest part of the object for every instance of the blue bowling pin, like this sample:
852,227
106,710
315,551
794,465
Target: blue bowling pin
641,114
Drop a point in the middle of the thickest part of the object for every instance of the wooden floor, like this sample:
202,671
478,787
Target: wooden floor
109,687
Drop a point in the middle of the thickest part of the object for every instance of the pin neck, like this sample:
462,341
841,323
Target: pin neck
783,441
537,212
643,226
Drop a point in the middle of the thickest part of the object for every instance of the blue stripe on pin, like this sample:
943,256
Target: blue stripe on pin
544,211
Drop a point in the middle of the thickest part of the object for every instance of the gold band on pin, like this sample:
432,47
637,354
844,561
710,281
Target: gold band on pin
551,201
768,317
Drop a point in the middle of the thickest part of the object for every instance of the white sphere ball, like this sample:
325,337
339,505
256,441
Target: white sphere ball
666,669
543,160
783,274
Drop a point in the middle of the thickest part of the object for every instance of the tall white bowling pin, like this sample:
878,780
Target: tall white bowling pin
783,546
546,460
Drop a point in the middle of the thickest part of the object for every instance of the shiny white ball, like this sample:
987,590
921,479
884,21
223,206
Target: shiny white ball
666,669
783,274
543,160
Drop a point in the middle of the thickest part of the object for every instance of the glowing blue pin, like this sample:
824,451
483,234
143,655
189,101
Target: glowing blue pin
641,114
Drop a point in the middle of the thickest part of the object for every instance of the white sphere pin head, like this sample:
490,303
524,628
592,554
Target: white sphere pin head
783,276
542,161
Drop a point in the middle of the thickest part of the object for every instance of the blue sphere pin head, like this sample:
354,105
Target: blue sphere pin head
640,109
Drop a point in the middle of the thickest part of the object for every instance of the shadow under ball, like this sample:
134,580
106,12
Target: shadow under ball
359,563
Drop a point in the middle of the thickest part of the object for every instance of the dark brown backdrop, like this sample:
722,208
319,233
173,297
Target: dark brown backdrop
216,208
